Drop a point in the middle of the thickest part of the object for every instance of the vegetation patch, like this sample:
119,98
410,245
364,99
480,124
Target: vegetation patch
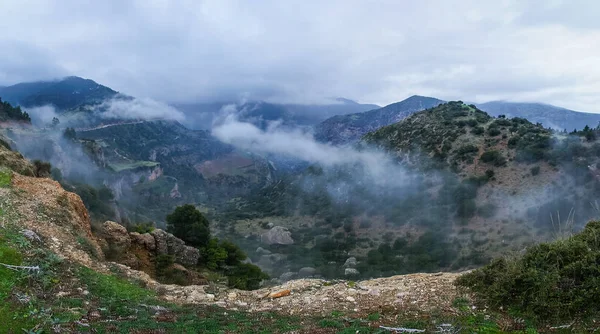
556,281
5,177
119,167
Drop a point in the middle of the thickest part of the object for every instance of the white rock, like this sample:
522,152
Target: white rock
350,299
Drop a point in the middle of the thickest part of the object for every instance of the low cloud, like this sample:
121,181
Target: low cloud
376,167
139,108
42,116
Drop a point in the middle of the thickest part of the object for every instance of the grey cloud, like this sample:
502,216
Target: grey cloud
138,108
43,115
376,167
305,51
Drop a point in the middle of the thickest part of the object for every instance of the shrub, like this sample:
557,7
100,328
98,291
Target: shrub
493,157
246,277
42,168
478,130
494,132
551,281
535,170
189,225
141,228
4,144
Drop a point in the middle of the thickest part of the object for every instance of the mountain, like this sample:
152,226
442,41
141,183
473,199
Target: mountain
150,166
548,115
260,113
451,181
63,94
62,273
343,129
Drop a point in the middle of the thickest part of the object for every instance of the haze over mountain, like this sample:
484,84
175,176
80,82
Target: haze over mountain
63,94
548,115
203,115
343,129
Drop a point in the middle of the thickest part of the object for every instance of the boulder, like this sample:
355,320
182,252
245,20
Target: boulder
188,257
307,272
166,243
116,235
145,240
262,251
350,262
351,272
160,238
277,235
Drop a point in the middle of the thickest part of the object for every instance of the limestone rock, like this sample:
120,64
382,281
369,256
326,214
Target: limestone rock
116,235
262,251
189,256
146,240
166,243
277,235
350,262
351,272
160,238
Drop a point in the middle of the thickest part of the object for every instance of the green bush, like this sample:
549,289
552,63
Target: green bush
535,170
493,157
5,177
551,282
494,132
4,144
478,130
42,168
189,225
245,276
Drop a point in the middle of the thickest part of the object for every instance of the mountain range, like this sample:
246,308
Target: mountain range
460,162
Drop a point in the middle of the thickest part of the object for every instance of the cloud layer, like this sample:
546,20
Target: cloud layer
303,51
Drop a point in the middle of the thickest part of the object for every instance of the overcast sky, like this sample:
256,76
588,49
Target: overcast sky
302,51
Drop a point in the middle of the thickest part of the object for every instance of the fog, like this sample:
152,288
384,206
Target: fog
138,109
42,116
276,140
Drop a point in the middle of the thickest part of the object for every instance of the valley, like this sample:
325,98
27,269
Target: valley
420,186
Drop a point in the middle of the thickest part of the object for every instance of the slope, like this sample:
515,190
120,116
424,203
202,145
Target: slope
345,129
63,94
260,113
464,187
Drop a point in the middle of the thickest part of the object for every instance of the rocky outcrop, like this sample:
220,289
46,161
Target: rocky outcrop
350,262
146,240
351,272
168,244
277,235
57,216
116,235
139,251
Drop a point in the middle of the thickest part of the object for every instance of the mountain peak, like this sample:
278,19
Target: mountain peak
65,93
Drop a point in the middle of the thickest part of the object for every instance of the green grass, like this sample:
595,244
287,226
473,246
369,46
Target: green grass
119,167
5,177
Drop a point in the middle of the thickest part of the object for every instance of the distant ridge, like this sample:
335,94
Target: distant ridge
548,115
65,93
343,129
